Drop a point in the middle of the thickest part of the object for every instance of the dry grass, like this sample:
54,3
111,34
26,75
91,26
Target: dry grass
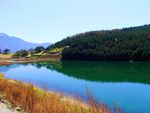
5,59
1,75
36,58
6,56
33,100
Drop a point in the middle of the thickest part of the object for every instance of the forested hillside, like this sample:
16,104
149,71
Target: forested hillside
119,44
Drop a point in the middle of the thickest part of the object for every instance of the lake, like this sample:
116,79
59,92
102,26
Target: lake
122,84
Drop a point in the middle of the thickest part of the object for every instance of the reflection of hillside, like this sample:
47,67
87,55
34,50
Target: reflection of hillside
103,71
48,65
96,71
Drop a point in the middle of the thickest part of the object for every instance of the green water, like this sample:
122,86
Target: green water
114,83
104,71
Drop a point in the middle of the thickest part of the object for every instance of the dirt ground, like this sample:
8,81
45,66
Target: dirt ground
4,109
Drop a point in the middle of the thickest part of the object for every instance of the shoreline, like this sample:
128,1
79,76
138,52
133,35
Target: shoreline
71,99
63,98
7,59
26,60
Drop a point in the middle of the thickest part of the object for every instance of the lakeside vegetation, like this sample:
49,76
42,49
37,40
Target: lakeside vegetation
5,56
127,44
32,55
33,100
5,51
36,54
119,44
5,59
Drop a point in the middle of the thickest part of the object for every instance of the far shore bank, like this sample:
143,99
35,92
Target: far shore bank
8,59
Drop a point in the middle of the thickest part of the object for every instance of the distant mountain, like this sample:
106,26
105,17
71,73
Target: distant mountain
15,43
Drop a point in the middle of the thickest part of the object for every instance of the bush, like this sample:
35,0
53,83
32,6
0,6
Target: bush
1,51
6,51
21,53
39,49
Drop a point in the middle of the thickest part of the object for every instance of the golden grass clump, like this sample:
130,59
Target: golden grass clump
33,100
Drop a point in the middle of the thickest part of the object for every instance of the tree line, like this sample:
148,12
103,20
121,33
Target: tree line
5,51
25,53
119,44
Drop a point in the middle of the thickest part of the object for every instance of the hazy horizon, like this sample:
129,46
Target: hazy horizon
50,21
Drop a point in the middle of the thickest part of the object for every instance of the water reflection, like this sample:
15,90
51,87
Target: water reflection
102,71
124,83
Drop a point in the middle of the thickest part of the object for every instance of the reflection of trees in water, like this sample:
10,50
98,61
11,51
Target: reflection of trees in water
96,71
48,65
102,71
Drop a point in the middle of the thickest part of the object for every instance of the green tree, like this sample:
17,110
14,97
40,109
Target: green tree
0,51
21,53
39,49
6,51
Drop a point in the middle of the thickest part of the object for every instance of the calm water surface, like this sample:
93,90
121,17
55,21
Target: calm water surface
114,83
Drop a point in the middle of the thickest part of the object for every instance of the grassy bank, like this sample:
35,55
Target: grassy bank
6,56
34,100
36,58
6,59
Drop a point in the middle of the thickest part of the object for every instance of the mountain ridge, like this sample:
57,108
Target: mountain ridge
15,43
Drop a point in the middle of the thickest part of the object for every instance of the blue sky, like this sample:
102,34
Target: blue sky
53,20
